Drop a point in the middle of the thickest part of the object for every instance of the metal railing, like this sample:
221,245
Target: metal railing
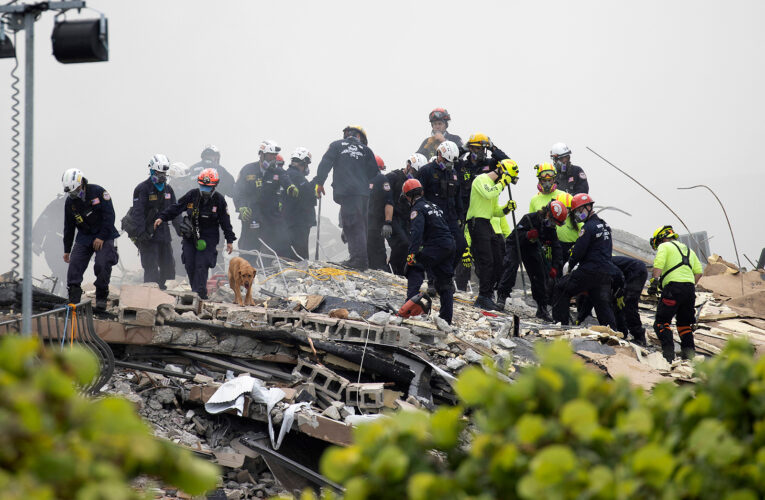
69,325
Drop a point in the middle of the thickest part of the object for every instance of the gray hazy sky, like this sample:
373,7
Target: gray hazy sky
672,92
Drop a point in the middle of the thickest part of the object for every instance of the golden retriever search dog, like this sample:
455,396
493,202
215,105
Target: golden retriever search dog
241,274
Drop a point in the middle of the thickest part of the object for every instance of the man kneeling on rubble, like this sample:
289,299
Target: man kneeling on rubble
431,246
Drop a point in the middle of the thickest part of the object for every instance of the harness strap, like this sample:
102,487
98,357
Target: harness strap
685,261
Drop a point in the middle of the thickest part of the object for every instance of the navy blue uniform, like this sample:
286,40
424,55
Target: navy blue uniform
635,275
208,216
224,187
379,196
299,213
430,144
93,217
155,247
354,167
399,240
592,251
572,180
260,190
467,170
432,244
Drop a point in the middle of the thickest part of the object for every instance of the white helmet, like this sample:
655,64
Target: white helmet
449,151
416,161
302,154
559,149
178,169
159,163
72,179
268,146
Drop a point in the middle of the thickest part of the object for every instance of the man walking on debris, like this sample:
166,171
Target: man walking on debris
569,178
380,223
258,199
299,212
46,238
592,252
354,167
431,246
206,213
88,208
676,270
150,198
439,122
485,191
399,231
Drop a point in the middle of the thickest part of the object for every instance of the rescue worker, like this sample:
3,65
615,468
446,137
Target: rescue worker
299,212
258,198
380,218
398,240
584,304
46,239
592,253
441,187
205,214
533,231
150,198
210,158
439,121
569,178
431,246
548,190
676,270
627,317
354,167
88,209
484,206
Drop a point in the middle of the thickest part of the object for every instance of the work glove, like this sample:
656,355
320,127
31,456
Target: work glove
467,258
553,273
293,191
410,260
510,206
245,214
532,235
620,302
387,230
653,287
319,190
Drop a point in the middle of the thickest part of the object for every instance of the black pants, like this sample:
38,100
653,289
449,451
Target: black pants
298,235
198,264
353,216
460,242
106,258
399,247
157,262
510,266
534,263
437,260
598,287
677,301
498,251
378,257
482,247
629,318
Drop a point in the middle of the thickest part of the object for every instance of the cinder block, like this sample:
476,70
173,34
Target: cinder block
323,379
288,318
396,335
187,301
357,330
137,316
365,396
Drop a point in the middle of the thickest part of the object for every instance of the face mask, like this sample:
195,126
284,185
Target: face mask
546,184
158,177
560,165
446,165
75,193
582,216
265,164
206,191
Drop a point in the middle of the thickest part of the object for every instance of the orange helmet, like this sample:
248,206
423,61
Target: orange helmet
558,211
380,162
439,114
208,177
581,200
411,187
279,161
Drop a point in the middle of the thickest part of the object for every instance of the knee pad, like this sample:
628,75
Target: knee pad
661,327
684,330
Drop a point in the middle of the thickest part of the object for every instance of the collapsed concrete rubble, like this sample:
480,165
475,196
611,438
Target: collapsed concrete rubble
263,390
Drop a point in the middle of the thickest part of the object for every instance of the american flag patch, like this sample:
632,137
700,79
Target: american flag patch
276,177
167,196
215,209
95,201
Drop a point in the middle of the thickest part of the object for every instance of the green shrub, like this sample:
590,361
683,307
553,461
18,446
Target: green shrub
57,443
563,431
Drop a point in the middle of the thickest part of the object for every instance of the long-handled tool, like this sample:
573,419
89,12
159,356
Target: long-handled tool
318,230
517,243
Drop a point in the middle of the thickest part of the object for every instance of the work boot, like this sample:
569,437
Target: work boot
667,346
486,303
687,353
543,314
687,346
432,291
75,294
501,301
639,338
101,297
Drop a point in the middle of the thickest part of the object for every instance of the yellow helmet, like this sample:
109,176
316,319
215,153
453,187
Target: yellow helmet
660,234
357,128
545,170
480,140
564,198
509,168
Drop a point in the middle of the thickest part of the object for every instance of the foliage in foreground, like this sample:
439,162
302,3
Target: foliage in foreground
563,431
57,443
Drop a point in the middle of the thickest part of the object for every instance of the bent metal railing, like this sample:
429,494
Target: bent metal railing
67,325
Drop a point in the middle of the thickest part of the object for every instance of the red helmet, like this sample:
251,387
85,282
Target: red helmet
380,162
439,114
208,177
279,161
581,200
411,187
558,211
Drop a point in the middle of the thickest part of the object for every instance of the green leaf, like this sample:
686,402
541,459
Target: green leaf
581,417
445,426
474,386
636,421
530,428
654,464
338,464
390,464
552,464
711,441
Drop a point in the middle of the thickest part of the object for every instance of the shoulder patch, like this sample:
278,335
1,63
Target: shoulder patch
190,205
582,175
413,214
214,208
276,177
167,196
386,186
95,201
250,177
371,185
152,197
106,196
581,232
